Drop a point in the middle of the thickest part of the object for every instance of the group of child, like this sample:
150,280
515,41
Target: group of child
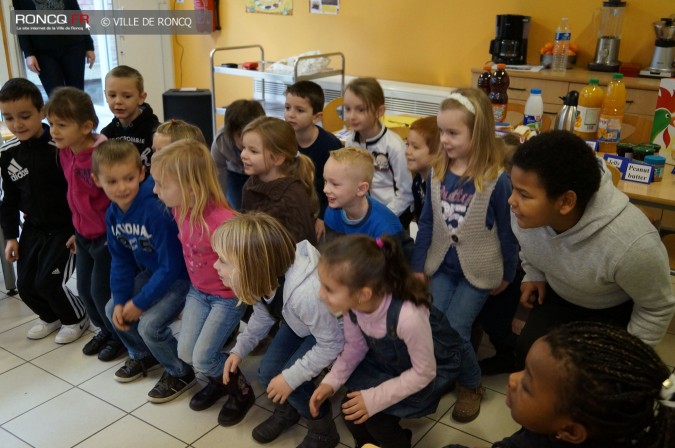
161,226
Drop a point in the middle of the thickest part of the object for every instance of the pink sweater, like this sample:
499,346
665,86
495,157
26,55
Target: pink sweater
199,256
87,202
413,328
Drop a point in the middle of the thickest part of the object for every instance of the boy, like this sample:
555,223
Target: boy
148,277
134,120
588,254
303,109
34,184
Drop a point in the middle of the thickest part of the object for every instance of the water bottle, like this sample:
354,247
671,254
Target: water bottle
484,79
534,109
562,44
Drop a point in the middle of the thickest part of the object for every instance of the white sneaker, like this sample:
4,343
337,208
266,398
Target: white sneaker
70,333
43,329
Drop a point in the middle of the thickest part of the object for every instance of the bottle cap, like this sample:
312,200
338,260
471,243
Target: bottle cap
487,67
593,81
617,75
655,160
535,91
501,66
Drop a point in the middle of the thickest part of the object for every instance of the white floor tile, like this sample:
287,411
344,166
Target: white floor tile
131,432
25,387
441,435
9,441
13,312
16,342
8,361
666,349
59,429
447,401
498,383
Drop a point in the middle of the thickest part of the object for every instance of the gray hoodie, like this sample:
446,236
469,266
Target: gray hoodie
613,254
305,314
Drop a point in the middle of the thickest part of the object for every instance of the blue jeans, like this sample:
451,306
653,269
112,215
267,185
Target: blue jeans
208,320
284,350
460,302
235,185
151,333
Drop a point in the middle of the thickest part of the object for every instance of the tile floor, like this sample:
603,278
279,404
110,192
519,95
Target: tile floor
52,396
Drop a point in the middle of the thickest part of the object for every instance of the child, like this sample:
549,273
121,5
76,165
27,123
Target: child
303,109
392,182
589,384
33,183
281,181
186,180
588,254
464,242
72,118
134,119
227,146
421,151
400,357
147,277
282,284
174,130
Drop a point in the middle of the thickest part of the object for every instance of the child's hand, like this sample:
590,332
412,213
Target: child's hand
517,326
70,244
319,229
499,289
12,250
355,409
131,312
231,365
278,390
321,394
118,320
528,291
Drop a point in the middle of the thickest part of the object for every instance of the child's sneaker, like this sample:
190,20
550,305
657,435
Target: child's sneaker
95,344
169,387
43,329
70,333
467,407
111,350
134,368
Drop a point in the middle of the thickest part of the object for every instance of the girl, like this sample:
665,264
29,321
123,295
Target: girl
591,385
282,179
399,358
464,242
186,180
282,284
421,150
173,130
392,182
72,119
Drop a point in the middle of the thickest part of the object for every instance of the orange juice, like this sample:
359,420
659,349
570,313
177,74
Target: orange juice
611,114
590,103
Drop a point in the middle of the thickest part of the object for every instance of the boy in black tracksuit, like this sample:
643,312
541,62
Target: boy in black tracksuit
34,184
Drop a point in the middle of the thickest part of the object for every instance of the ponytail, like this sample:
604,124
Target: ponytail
303,169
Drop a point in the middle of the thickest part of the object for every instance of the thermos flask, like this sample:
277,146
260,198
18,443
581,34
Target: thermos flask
568,114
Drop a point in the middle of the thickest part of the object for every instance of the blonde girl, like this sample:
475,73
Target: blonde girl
421,151
173,130
259,260
465,244
281,181
186,180
392,182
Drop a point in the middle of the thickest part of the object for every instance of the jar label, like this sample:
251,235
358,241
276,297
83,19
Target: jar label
609,128
532,121
499,112
587,119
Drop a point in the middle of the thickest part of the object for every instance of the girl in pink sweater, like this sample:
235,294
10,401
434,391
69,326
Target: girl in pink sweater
400,354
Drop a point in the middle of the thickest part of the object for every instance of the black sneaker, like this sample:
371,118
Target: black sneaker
95,344
169,387
111,350
498,364
135,368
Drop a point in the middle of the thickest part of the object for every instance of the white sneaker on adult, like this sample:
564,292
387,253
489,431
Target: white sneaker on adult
43,329
70,333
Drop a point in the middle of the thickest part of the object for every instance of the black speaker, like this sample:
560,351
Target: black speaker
193,106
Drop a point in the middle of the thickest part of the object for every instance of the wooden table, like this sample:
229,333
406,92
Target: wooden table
657,194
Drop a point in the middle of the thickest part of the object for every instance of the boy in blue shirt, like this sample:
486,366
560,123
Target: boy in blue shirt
148,278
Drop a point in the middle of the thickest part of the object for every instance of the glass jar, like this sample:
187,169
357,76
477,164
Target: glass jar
659,164
642,151
625,149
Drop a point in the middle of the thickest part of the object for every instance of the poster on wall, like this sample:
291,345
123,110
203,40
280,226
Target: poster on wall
281,7
324,6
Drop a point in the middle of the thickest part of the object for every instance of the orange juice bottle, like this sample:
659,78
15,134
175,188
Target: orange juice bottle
590,103
611,114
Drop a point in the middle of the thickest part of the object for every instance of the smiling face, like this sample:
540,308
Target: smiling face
341,184
299,114
120,182
455,134
359,117
69,134
124,98
529,201
417,153
22,118
254,156
336,296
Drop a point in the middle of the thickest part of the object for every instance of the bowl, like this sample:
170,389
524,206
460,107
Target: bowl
547,60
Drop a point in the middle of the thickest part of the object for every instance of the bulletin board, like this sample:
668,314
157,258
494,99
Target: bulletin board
281,7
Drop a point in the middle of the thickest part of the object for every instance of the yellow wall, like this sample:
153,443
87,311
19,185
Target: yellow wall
428,42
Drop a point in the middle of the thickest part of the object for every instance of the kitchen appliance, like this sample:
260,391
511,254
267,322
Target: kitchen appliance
608,21
567,116
510,44
662,64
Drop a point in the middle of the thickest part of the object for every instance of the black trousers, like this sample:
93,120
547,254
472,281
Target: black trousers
43,268
382,430
62,67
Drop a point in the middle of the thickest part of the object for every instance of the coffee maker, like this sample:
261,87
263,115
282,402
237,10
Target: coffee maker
662,64
510,44
608,21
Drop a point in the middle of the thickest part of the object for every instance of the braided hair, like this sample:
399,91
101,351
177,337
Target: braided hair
613,387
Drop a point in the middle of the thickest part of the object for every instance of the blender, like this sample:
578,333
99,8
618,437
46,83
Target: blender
662,64
608,21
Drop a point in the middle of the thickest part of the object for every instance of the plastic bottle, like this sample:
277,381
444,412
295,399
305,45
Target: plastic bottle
611,114
562,44
590,103
484,79
534,109
499,97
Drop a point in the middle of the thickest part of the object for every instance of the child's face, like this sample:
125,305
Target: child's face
336,296
68,133
120,182
341,185
22,118
254,157
123,98
225,270
159,141
529,201
298,113
417,152
358,116
168,189
455,134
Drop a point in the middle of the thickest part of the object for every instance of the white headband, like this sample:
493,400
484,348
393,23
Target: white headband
464,101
